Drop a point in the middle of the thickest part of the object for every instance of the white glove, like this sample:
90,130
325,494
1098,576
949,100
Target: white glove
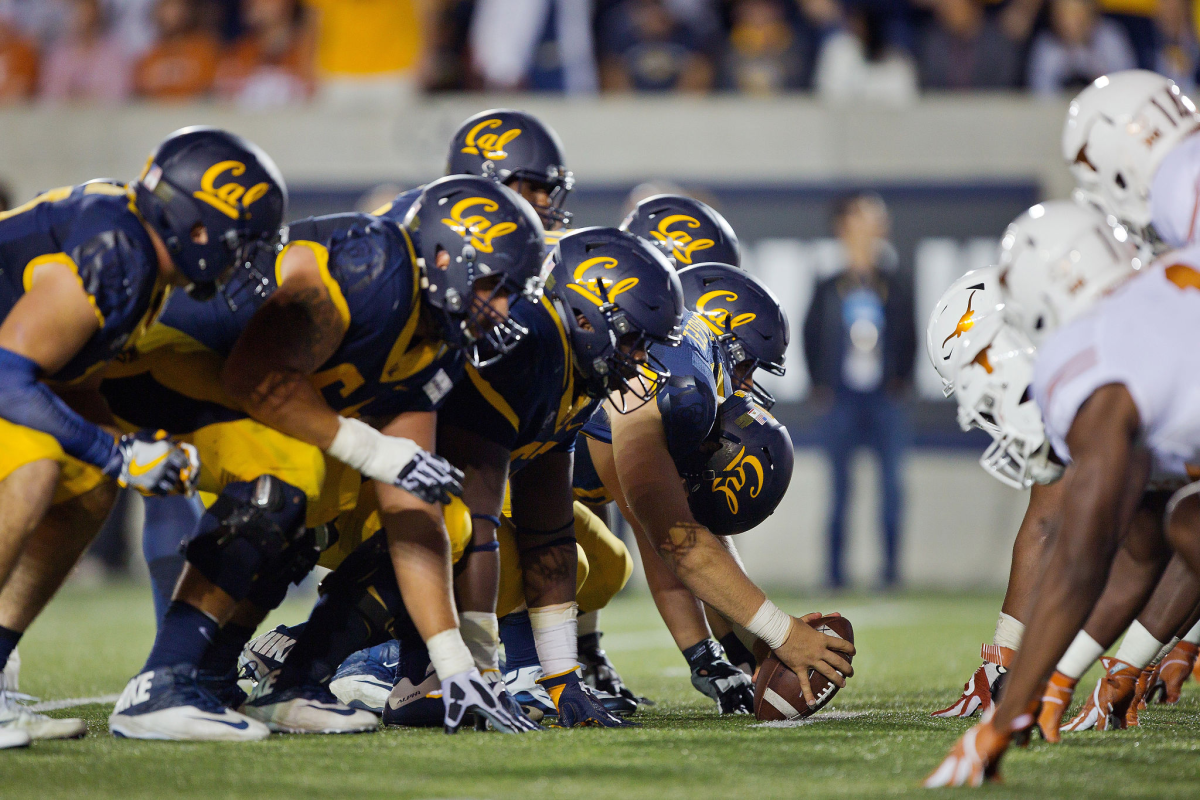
396,461
155,464
466,693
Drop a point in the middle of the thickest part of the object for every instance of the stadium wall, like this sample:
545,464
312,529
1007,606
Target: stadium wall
953,170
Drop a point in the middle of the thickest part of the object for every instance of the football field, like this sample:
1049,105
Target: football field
914,652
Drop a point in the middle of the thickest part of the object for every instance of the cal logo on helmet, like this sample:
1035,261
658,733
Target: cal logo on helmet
480,142
671,232
730,485
589,287
718,319
231,197
465,220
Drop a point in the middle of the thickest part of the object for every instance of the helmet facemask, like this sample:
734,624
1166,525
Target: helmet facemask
629,368
556,186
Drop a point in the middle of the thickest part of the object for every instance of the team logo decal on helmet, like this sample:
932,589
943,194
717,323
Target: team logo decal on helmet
741,472
230,198
617,296
478,243
962,307
684,229
477,227
748,320
489,145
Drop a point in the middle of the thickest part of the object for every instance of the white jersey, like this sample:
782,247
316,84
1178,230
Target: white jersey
1175,194
1143,336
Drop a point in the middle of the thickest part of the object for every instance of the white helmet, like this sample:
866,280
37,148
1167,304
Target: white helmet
992,383
1118,130
1056,260
968,300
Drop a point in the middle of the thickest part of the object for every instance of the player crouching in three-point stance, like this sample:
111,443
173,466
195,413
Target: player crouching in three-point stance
369,320
86,271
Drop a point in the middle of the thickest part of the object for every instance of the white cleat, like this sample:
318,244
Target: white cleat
530,695
16,717
167,704
14,738
305,709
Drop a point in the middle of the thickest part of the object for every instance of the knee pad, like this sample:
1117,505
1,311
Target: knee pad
247,532
366,582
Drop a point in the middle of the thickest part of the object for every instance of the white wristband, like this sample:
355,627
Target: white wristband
372,453
449,654
770,624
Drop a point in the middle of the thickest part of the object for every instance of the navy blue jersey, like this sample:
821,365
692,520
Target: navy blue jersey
382,367
528,402
688,403
94,230
398,208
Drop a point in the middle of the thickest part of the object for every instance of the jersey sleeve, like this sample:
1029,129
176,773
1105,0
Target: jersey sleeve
397,209
1068,370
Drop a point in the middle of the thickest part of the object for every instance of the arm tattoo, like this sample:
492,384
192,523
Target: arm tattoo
682,538
299,330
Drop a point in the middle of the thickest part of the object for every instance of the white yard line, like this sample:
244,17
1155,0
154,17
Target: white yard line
827,716
72,702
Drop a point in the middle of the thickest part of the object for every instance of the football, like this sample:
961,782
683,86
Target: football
777,694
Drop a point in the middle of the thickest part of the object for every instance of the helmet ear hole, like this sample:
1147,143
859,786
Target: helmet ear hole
199,233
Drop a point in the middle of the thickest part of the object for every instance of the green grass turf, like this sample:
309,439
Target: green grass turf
914,653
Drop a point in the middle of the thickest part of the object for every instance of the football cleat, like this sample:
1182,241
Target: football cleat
223,686
523,684
1172,673
17,719
169,704
980,690
1056,699
418,706
599,672
265,654
365,679
578,706
466,698
1110,700
307,708
11,739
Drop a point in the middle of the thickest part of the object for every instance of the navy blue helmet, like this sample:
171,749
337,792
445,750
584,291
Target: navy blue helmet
475,234
202,177
617,296
685,229
742,471
748,320
513,146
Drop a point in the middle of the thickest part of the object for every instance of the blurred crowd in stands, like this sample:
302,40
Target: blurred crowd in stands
272,53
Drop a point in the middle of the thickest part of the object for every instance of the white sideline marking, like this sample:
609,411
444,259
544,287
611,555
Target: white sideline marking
824,716
71,702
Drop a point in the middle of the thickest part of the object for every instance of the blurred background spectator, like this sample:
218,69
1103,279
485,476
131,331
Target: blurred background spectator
1079,46
964,47
647,46
271,53
271,63
859,340
86,63
182,62
537,45
18,63
1176,53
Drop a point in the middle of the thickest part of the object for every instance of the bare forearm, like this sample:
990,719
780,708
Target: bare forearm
678,607
288,402
706,567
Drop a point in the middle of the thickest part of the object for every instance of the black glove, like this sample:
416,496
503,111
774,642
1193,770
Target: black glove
714,676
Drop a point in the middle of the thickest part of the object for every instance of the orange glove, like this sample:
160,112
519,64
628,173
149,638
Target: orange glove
1106,707
1056,699
1173,672
974,758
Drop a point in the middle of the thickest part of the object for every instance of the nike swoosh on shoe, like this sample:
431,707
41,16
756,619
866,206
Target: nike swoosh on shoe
240,726
348,712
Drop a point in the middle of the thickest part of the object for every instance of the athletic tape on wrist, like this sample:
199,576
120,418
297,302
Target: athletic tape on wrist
449,654
770,624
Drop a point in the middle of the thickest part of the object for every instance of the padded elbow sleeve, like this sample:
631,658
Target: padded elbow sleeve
24,400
